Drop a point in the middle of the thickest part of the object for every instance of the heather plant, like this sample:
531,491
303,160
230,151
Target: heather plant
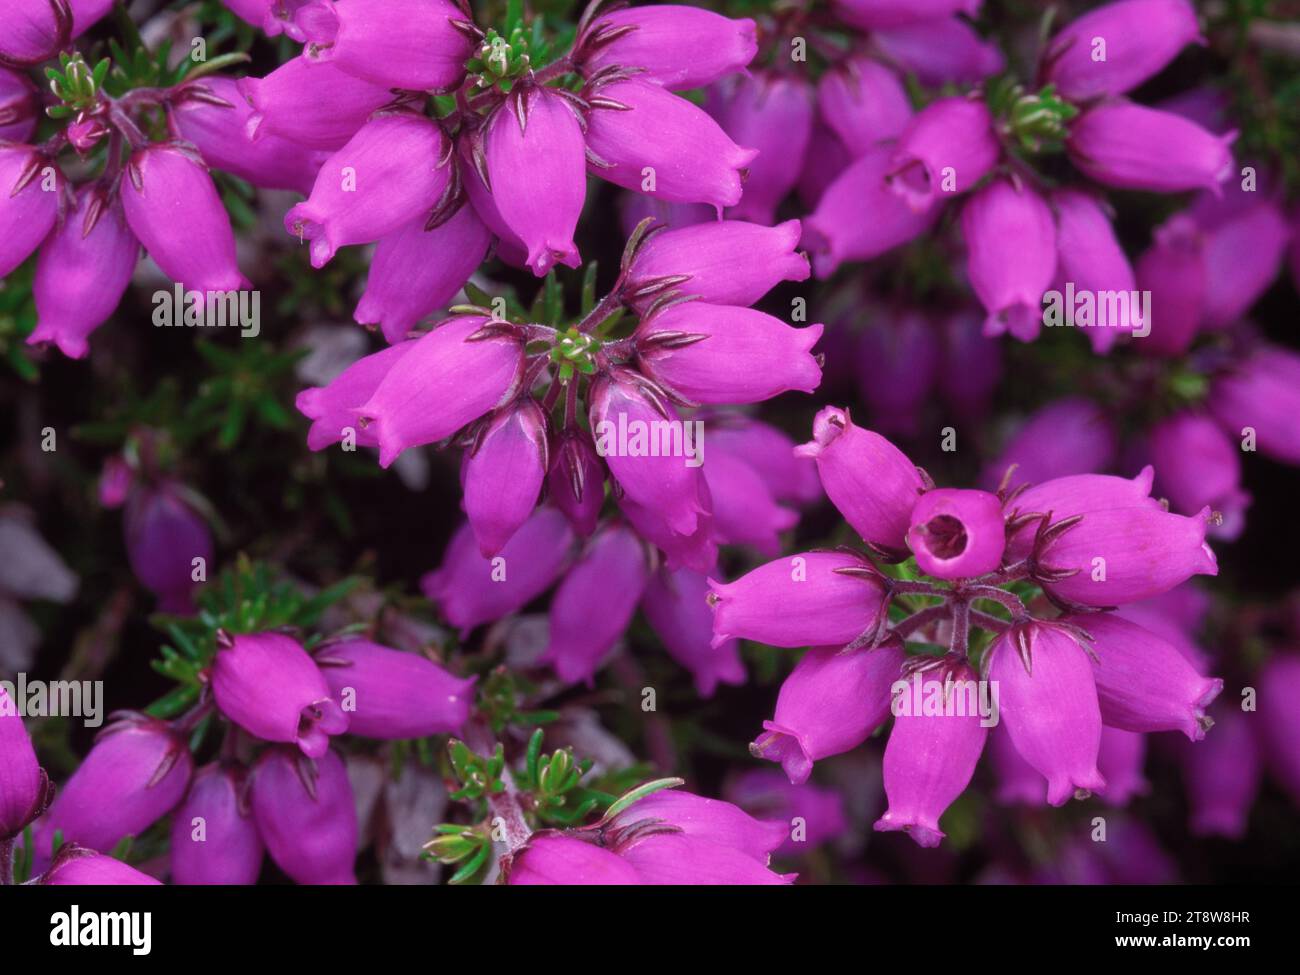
537,443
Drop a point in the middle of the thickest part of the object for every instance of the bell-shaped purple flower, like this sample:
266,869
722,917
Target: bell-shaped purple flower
387,693
872,483
173,207
470,590
81,276
940,52
1018,782
774,114
1279,720
332,409
19,104
896,365
1090,259
1223,774
25,790
970,364
76,866
136,773
932,752
394,169
696,549
306,815
674,45
870,14
771,453
863,103
408,44
1067,436
1173,270
1076,494
1197,465
167,542
268,685
536,161
451,376
214,838
30,186
610,574
676,605
644,138
1128,146
1143,682
273,17
1243,250
858,217
550,858
723,262
504,474
576,481
815,815
1115,47
311,103
220,133
745,512
1258,402
1126,554
829,704
31,29
646,447
1010,256
722,354
1120,761
957,533
710,820
677,858
946,149
1048,701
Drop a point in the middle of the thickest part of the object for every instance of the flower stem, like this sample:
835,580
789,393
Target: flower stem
1008,599
909,625
604,309
959,643
506,805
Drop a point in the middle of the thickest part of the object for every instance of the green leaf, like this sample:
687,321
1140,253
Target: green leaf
640,792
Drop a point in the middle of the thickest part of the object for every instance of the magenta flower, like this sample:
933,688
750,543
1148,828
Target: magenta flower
19,104
642,137
722,354
1114,48
680,858
773,114
389,694
77,866
816,815
1128,146
214,116
214,839
872,483
829,704
859,217
470,590
1018,782
395,168
945,149
870,14
36,30
82,271
725,262
1259,398
1173,270
306,815
1048,701
1197,464
311,103
268,685
135,774
162,182
897,359
1279,726
674,45
415,271
612,574
930,757
1223,774
27,206
1120,760
576,481
332,409
803,600
166,541
676,606
1011,256
424,397
411,44
864,103
25,790
504,474
1243,242
551,858
745,511
274,17
790,478
939,52
1089,258
1066,436
538,132
956,533
709,820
